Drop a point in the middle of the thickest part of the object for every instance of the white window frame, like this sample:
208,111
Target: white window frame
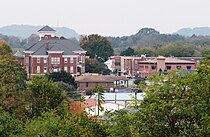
71,60
71,69
55,60
38,69
38,60
65,69
45,60
45,69
65,60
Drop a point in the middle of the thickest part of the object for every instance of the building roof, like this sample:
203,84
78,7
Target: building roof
169,60
46,28
19,54
65,45
99,78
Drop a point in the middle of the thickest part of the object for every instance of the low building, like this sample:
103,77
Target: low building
89,82
164,64
53,54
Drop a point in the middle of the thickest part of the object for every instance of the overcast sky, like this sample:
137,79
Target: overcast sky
108,17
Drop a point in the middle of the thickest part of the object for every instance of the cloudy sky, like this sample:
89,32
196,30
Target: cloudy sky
108,17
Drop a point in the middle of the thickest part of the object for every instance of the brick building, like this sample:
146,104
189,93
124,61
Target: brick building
145,67
52,54
89,82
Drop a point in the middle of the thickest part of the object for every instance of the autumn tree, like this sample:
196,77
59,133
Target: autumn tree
97,47
12,76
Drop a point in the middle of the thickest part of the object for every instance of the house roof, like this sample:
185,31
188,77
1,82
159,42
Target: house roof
65,45
99,78
46,28
18,54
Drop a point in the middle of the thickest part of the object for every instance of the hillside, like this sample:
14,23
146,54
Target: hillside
24,31
145,37
204,31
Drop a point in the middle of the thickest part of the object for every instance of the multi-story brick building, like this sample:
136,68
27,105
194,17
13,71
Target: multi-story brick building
145,67
126,64
52,54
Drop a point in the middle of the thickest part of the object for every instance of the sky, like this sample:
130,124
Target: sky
107,17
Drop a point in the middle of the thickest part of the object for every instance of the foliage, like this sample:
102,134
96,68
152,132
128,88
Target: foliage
176,50
127,52
173,106
12,77
46,95
69,89
100,97
148,51
120,124
9,126
93,66
62,76
5,48
97,47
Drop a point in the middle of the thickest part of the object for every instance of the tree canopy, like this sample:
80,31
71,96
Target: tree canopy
62,76
97,47
127,52
94,66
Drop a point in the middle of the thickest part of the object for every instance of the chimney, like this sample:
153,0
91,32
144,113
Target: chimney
47,46
161,63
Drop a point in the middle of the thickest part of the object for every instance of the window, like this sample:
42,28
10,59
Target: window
168,67
86,84
141,67
38,69
136,66
26,59
66,69
117,63
45,60
153,67
55,60
188,67
71,69
72,60
146,67
65,60
178,67
38,60
45,69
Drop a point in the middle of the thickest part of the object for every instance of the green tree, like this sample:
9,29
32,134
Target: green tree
120,124
46,95
176,105
176,50
127,52
9,126
100,97
12,77
93,66
148,51
97,47
69,89
62,76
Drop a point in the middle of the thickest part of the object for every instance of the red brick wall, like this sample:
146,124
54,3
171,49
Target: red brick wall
106,85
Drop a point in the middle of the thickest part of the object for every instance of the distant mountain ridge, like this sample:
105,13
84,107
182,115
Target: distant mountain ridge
24,31
203,31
